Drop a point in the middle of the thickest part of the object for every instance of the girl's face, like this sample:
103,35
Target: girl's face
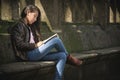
32,17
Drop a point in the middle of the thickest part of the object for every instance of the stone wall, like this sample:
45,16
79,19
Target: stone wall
78,38
82,11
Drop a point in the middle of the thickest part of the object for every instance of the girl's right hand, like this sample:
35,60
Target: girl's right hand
39,43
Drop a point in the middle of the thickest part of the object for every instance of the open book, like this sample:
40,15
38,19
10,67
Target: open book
46,40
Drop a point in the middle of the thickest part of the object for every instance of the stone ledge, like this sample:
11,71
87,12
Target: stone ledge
94,53
47,67
24,66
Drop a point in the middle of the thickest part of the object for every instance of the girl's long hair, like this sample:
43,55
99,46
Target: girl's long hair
37,24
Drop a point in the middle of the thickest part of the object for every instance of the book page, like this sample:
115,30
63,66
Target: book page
55,35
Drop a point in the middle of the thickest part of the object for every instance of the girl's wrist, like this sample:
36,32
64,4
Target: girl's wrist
36,45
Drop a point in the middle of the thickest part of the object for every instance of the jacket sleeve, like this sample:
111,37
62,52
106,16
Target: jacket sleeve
19,38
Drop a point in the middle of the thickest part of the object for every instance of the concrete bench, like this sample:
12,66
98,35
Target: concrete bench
27,71
10,69
101,64
94,66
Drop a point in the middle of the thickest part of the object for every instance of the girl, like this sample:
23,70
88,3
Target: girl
28,45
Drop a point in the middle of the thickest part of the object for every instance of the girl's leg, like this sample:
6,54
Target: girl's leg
53,43
60,58
44,49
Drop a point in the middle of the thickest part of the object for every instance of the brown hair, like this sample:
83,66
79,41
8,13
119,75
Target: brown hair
37,23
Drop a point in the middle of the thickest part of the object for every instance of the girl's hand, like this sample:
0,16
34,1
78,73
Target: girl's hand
39,43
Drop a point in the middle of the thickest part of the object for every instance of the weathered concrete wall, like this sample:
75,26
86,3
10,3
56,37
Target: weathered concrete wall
82,11
54,12
15,10
6,52
104,67
100,12
6,10
0,10
78,38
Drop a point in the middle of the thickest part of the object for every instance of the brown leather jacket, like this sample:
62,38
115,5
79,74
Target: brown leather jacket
20,36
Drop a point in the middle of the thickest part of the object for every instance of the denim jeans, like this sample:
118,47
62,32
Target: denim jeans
43,53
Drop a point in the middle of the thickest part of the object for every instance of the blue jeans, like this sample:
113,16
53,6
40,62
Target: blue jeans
43,53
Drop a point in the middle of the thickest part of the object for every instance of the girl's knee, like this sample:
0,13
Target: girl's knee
62,55
57,39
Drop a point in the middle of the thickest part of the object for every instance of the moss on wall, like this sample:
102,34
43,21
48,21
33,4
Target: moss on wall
79,37
71,39
4,26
